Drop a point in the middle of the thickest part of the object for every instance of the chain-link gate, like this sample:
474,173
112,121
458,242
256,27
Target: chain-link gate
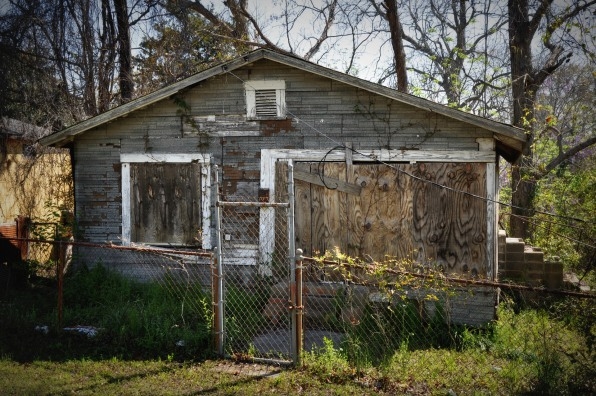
253,298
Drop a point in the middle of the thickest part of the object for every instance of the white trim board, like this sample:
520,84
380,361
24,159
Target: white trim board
203,159
270,156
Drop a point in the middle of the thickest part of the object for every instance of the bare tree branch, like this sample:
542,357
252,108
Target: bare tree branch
563,156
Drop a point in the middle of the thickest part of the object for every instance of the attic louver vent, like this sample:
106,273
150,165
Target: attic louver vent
265,99
266,103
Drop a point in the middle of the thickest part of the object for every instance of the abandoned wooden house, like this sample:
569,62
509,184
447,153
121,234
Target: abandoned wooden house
377,172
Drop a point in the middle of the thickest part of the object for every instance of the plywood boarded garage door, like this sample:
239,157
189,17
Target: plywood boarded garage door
378,210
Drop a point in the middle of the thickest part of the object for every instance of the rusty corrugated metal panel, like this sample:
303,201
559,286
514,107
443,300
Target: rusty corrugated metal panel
13,231
9,231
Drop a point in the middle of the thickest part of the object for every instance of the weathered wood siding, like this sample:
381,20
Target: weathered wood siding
210,118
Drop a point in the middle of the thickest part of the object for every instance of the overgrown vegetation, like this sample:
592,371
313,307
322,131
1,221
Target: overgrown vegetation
530,351
404,341
546,349
133,320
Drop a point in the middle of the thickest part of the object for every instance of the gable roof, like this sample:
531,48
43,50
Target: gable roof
509,138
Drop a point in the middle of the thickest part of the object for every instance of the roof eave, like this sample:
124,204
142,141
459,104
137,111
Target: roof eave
67,135
506,130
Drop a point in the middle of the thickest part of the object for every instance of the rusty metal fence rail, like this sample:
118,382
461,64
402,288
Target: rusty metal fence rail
177,270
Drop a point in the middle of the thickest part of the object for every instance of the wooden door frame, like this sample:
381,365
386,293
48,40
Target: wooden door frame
486,154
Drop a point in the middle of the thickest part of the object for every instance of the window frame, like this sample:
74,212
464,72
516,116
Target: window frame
251,87
203,159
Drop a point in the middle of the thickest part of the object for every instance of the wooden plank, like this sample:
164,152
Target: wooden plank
388,213
383,155
331,200
165,157
491,221
355,219
432,214
339,171
404,187
303,219
166,204
327,182
367,175
126,197
281,216
327,205
466,245
320,233
424,156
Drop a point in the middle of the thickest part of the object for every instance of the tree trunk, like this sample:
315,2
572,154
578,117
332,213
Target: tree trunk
124,51
399,55
523,93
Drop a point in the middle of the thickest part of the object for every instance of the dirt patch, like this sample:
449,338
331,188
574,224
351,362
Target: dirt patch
247,369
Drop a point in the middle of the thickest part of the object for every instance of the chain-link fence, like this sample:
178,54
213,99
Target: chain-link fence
256,277
256,280
415,321
176,270
389,314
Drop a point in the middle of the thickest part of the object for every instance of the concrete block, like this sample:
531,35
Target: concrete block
533,256
516,266
515,256
554,267
515,245
534,266
553,281
518,276
553,274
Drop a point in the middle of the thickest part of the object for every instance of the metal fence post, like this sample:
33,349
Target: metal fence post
294,351
298,308
217,330
60,276
219,270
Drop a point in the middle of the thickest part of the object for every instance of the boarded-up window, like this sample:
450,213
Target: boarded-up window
166,203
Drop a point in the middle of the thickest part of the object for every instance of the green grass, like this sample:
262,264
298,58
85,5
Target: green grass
116,377
525,352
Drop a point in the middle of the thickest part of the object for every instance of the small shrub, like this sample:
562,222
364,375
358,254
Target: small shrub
547,350
329,363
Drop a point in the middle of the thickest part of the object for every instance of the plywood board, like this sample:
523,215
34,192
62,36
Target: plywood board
166,203
429,213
